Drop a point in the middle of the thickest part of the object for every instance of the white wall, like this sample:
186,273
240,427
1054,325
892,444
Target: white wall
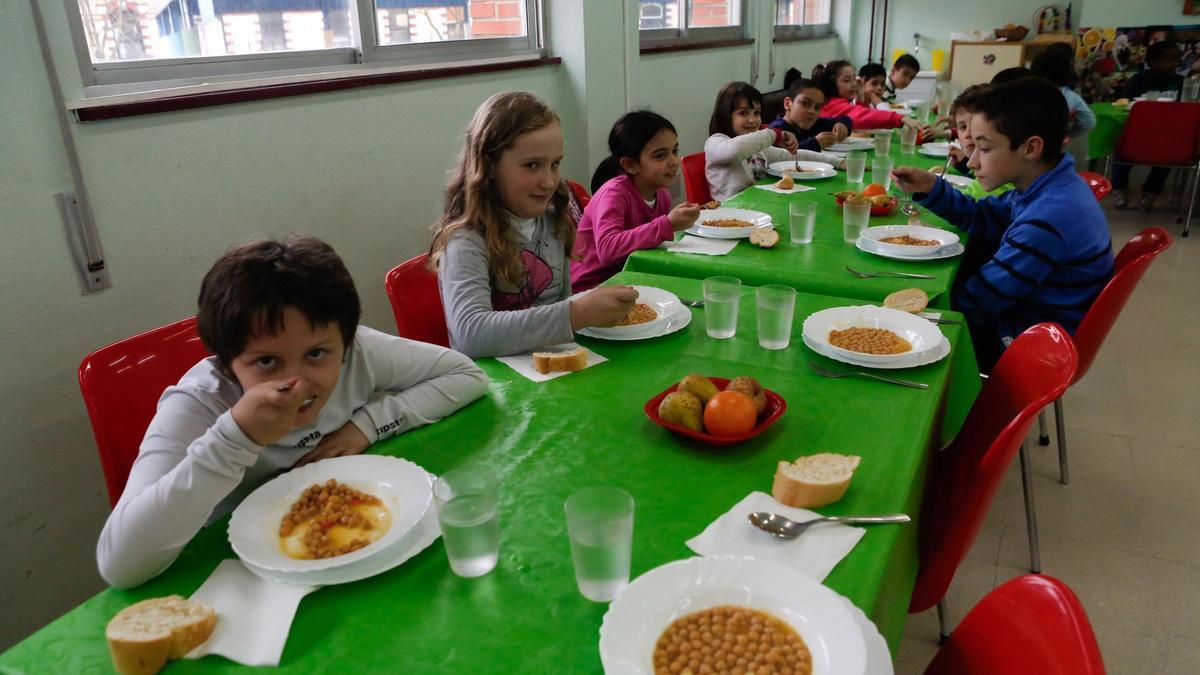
1120,13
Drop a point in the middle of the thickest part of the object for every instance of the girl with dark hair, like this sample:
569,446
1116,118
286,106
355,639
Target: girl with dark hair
631,207
1057,64
837,80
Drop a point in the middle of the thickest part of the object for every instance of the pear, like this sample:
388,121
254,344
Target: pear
682,408
751,388
701,386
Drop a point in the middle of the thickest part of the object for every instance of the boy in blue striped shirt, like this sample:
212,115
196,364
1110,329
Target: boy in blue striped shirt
1041,252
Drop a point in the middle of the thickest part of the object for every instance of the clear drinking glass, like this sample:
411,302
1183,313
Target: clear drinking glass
923,109
600,526
856,165
802,220
775,307
467,501
881,171
721,297
854,219
908,140
883,143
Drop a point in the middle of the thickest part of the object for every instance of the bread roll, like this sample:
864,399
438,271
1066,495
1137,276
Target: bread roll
142,637
912,300
565,361
786,183
815,480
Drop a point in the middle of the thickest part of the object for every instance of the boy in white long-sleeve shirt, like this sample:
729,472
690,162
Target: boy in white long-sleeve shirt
294,379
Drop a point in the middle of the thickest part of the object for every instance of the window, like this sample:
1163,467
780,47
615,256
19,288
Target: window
802,18
129,42
672,21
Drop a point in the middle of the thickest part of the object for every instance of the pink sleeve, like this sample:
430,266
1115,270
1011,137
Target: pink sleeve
615,237
862,116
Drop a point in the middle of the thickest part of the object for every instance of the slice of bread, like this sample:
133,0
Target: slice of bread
815,480
786,183
564,361
143,636
912,300
764,238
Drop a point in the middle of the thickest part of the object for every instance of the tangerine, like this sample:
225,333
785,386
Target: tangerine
730,413
874,189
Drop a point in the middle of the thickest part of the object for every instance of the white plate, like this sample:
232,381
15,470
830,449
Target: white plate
677,315
636,330
636,619
851,144
923,359
818,170
938,149
403,487
923,335
759,219
875,234
879,657
959,182
950,251
902,110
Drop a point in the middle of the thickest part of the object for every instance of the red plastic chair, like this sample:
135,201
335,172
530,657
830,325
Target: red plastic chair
1164,133
694,181
1128,269
416,302
1032,624
121,385
1099,184
1033,371
580,192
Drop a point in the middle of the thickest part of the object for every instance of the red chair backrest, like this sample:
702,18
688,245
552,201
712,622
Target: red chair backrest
1031,624
1031,373
121,385
580,192
416,302
1131,264
694,181
1161,133
1099,184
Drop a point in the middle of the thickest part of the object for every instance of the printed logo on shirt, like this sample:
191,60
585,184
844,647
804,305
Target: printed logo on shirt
303,442
538,276
390,426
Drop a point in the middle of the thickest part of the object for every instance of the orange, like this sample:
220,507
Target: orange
730,413
874,189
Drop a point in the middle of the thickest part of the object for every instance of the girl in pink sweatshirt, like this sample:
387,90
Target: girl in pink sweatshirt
631,209
836,79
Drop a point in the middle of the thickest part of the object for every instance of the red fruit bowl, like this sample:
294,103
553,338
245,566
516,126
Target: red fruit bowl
774,410
877,210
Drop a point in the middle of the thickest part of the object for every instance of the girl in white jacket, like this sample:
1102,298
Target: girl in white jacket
738,151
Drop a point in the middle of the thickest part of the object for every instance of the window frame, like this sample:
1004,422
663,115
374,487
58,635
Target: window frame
670,37
793,31
117,77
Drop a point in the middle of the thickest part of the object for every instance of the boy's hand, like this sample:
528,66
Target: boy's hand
604,306
912,179
827,138
788,142
345,441
683,216
957,154
840,131
909,122
267,411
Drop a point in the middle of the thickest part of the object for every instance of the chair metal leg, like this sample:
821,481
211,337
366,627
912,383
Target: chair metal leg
1043,437
1187,223
943,634
1035,556
1061,427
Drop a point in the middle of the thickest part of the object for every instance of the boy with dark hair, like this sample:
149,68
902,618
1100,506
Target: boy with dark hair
903,71
1043,248
294,379
871,78
1011,74
802,116
1162,58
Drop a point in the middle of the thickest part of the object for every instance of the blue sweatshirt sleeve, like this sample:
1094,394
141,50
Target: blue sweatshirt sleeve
1029,252
983,219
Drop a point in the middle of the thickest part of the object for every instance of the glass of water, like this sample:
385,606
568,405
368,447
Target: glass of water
908,140
802,220
775,307
856,164
467,501
600,526
923,109
721,298
855,217
883,143
881,171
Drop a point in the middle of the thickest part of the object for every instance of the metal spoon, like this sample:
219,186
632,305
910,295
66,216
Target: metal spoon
786,528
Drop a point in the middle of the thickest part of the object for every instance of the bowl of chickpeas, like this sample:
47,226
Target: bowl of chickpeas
727,613
330,513
870,335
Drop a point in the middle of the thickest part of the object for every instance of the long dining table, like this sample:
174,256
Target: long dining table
546,440
820,266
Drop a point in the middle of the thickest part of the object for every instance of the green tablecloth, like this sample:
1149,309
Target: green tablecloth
1110,120
819,267
547,440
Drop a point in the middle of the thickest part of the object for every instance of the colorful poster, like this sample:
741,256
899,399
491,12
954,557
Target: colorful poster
1107,57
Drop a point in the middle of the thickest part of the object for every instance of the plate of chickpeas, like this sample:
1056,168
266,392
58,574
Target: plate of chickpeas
726,613
873,336
329,514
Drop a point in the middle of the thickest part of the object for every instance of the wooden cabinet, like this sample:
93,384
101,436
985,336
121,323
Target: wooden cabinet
976,62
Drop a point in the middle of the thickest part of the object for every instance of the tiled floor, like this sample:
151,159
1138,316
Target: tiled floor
1125,534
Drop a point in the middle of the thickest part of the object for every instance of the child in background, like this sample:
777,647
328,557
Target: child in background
501,248
1010,74
801,116
871,84
836,79
294,379
738,150
904,70
1162,58
1057,64
1048,251
961,111
631,207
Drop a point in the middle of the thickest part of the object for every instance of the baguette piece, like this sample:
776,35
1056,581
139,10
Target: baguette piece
815,480
912,300
565,361
142,637
786,183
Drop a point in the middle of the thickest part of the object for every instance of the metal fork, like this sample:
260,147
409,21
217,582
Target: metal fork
692,303
825,372
902,275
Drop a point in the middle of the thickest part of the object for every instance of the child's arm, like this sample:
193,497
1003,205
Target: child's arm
863,117
1085,119
781,155
984,219
475,328
722,149
1029,252
614,242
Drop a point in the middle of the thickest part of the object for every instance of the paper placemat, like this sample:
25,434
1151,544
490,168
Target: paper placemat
523,363
770,187
700,245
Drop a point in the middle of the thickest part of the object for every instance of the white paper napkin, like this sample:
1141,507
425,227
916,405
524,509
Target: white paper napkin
700,245
523,363
770,187
815,553
254,615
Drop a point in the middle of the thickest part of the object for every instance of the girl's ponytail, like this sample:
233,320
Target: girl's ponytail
629,135
610,168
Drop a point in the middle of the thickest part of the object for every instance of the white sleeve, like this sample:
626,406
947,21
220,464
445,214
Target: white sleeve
192,457
722,149
415,383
